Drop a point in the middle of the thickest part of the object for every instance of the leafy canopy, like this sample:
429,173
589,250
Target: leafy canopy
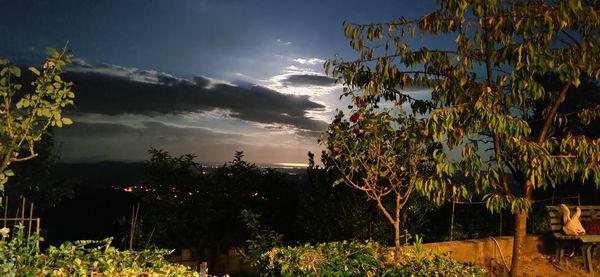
484,89
26,112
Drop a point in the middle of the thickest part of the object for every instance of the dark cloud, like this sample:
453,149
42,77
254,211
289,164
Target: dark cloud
308,80
114,90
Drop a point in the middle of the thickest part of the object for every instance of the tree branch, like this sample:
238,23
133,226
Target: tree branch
552,113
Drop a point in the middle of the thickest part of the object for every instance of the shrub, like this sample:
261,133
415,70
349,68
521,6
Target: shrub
262,238
430,263
324,259
361,259
20,256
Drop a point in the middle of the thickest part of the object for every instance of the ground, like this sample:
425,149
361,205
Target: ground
545,265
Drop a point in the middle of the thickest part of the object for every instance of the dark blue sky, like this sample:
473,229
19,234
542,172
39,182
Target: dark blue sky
208,77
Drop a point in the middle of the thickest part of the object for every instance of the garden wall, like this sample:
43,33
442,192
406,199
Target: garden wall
485,252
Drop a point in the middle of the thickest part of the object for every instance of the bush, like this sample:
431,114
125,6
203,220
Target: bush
21,257
361,259
324,259
432,264
99,257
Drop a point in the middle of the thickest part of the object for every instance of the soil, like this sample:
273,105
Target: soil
547,266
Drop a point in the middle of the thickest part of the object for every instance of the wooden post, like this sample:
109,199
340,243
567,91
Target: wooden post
30,220
23,212
17,213
452,220
131,228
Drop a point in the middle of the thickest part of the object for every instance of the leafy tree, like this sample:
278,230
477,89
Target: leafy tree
335,213
381,155
190,206
239,185
484,89
170,193
26,112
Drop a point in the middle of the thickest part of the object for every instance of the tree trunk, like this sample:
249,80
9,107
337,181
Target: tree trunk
519,239
397,223
397,235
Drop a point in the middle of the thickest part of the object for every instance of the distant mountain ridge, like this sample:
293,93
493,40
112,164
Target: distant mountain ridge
121,174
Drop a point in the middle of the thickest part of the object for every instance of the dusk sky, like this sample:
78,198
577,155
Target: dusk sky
194,76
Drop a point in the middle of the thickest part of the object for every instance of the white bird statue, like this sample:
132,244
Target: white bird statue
571,225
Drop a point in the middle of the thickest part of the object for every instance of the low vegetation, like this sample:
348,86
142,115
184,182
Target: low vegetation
21,256
361,259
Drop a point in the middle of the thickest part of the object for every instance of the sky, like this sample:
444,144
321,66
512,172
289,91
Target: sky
194,76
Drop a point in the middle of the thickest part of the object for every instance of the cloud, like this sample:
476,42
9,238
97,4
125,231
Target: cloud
135,74
120,141
307,80
282,42
310,61
116,90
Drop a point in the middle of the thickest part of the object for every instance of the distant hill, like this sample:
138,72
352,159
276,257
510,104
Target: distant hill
121,174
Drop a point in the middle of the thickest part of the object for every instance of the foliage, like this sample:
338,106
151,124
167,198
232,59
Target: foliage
21,257
430,263
262,239
381,154
188,206
484,89
36,179
361,259
324,259
585,98
172,188
26,112
331,213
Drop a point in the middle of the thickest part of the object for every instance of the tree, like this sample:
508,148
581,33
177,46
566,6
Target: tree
484,89
186,205
174,197
333,213
240,185
26,112
381,155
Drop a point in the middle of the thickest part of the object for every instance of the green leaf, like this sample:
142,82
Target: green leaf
15,70
67,121
34,70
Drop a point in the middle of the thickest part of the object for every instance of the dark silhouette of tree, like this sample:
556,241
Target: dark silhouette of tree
36,179
190,206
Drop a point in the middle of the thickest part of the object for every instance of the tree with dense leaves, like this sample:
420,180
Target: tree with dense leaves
484,90
26,112
383,155
171,192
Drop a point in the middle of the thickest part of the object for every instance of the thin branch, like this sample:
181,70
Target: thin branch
571,37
